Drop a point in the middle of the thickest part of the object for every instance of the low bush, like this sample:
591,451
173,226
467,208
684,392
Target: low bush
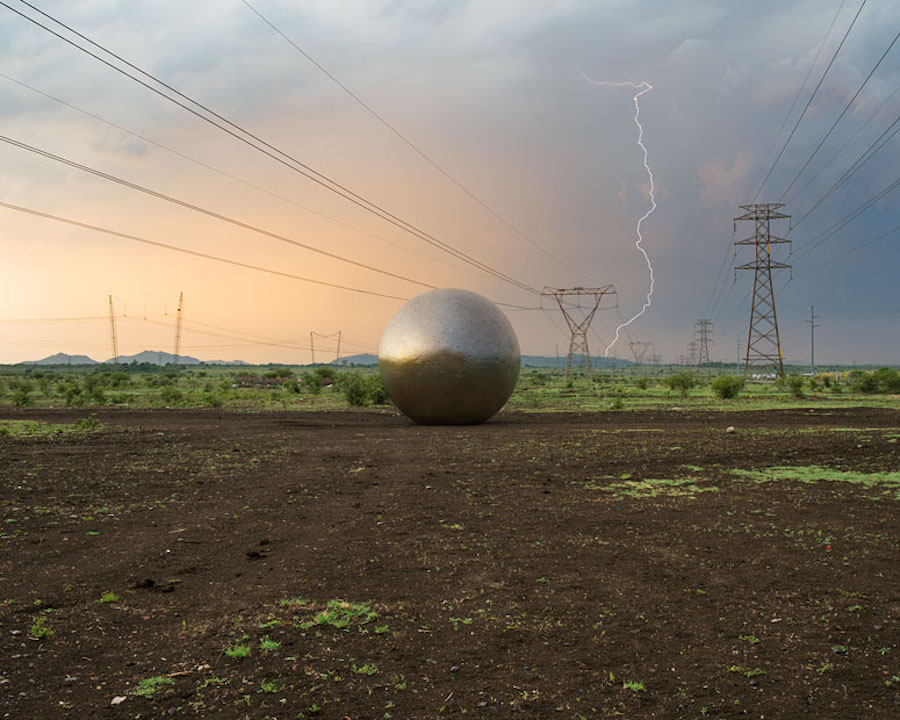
727,387
682,382
795,387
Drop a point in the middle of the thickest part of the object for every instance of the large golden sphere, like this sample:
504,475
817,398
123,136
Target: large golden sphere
449,357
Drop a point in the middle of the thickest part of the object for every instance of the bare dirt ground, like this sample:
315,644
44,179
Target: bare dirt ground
537,566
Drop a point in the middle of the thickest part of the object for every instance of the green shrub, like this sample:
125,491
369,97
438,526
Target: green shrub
795,387
355,388
378,394
682,382
325,372
171,395
312,382
641,383
291,386
276,373
888,380
727,386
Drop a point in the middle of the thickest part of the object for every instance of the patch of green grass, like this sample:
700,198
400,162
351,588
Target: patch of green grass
747,672
295,602
39,629
888,483
634,685
341,614
652,487
751,639
109,597
266,644
238,651
367,669
149,686
32,428
269,686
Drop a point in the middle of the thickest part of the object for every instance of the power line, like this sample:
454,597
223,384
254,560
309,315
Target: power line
859,247
867,155
257,143
797,96
845,144
840,117
203,211
195,253
809,102
225,173
847,219
400,135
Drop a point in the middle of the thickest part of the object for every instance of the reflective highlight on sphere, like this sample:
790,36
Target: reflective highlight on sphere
449,357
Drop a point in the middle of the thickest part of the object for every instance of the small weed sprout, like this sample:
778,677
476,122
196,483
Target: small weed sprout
238,651
148,687
266,644
39,629
109,597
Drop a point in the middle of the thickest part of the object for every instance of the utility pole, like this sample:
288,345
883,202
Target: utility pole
703,334
112,332
763,340
740,346
578,327
312,346
812,338
337,355
177,352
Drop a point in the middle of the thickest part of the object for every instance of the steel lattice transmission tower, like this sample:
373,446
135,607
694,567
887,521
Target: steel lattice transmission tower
639,350
763,340
312,344
703,333
177,348
587,300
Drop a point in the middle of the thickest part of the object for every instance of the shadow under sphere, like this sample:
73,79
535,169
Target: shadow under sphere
449,357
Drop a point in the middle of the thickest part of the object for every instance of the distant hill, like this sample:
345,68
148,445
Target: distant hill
63,359
361,359
159,357
527,361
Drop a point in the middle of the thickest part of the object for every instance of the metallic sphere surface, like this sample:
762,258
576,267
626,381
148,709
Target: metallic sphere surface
449,357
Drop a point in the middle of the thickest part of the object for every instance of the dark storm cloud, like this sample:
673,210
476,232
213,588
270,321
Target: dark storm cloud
499,85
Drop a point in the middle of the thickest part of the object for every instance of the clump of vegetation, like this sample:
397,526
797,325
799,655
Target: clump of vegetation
39,629
727,387
239,651
883,380
109,597
341,615
281,373
795,387
148,687
682,383
355,389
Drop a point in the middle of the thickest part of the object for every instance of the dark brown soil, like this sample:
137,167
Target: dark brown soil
535,567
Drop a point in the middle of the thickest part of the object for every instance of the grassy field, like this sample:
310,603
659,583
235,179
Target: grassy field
328,388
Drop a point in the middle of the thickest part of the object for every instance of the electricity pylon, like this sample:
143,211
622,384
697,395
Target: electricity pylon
763,340
639,350
703,333
177,351
312,344
570,300
112,332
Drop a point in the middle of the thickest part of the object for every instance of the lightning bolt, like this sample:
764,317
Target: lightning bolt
641,88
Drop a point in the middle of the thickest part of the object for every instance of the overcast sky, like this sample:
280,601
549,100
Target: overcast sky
494,93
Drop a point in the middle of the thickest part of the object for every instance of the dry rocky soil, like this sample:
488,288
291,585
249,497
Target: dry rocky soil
206,564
